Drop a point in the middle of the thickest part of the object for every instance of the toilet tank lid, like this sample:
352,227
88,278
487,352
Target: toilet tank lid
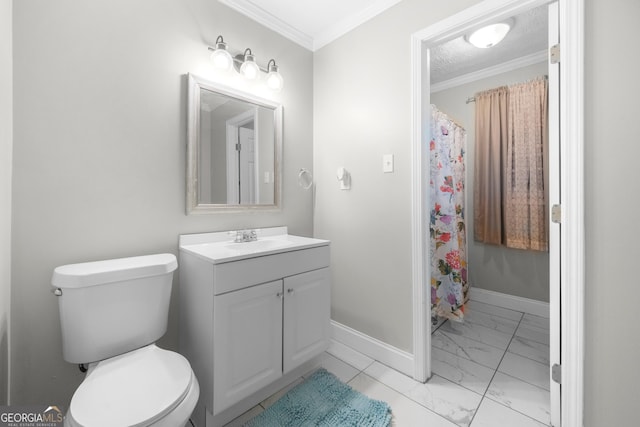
113,270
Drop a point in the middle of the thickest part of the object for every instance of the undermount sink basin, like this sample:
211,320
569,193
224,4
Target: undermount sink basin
219,247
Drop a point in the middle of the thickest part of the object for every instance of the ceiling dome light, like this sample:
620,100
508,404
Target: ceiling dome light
220,56
249,69
489,36
274,78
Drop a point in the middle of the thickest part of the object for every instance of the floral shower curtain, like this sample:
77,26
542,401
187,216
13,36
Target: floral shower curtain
448,249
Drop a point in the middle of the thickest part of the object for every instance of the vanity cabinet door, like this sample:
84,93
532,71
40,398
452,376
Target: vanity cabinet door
247,353
307,309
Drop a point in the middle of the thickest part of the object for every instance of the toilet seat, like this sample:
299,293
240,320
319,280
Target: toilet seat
134,389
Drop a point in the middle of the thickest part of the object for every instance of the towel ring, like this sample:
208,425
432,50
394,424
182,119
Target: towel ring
305,179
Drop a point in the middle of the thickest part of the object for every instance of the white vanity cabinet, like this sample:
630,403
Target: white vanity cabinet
266,330
248,319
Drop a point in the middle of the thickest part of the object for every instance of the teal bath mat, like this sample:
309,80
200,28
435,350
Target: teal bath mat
323,400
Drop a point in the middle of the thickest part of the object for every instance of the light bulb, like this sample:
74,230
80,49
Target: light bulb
220,56
249,69
274,78
221,59
489,36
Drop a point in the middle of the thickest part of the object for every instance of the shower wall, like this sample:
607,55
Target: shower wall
496,268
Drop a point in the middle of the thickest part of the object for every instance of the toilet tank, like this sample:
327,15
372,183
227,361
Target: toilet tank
111,307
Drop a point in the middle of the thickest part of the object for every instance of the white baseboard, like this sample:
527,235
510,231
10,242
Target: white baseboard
384,353
527,305
401,360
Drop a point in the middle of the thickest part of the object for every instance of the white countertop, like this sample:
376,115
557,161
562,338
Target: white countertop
219,247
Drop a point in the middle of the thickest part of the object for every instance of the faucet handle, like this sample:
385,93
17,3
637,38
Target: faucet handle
245,236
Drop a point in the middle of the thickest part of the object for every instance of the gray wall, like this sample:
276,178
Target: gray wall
361,112
6,143
496,268
99,150
612,180
99,128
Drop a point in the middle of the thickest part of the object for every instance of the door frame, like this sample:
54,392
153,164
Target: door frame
572,253
555,229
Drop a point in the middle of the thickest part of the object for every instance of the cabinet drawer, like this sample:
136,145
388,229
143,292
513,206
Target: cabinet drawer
236,275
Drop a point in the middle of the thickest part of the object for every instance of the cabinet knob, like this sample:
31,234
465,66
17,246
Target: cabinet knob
280,295
290,290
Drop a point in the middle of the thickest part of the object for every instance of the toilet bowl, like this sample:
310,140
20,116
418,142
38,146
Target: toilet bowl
146,387
111,314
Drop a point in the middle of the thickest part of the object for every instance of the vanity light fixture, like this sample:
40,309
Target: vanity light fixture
220,56
245,64
489,35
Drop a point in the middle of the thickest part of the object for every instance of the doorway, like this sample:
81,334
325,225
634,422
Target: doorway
242,158
567,271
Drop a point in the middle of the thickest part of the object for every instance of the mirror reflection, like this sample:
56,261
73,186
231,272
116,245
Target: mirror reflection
234,145
236,161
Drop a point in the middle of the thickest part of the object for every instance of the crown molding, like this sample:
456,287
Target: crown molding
505,67
331,33
270,21
350,22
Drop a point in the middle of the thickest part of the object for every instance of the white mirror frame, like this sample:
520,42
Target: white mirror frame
194,207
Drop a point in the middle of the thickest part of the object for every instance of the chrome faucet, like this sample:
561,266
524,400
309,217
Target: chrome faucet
243,236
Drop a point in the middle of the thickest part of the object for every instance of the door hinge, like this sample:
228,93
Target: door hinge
556,214
556,373
238,147
554,54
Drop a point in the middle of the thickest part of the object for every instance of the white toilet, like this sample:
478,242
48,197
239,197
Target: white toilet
111,313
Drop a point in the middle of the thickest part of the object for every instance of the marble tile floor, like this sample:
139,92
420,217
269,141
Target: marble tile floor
490,371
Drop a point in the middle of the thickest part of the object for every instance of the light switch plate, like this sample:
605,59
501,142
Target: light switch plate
387,163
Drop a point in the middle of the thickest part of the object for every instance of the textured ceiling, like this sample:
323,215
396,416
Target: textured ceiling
458,57
314,23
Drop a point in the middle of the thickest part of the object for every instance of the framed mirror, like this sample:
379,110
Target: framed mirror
234,149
